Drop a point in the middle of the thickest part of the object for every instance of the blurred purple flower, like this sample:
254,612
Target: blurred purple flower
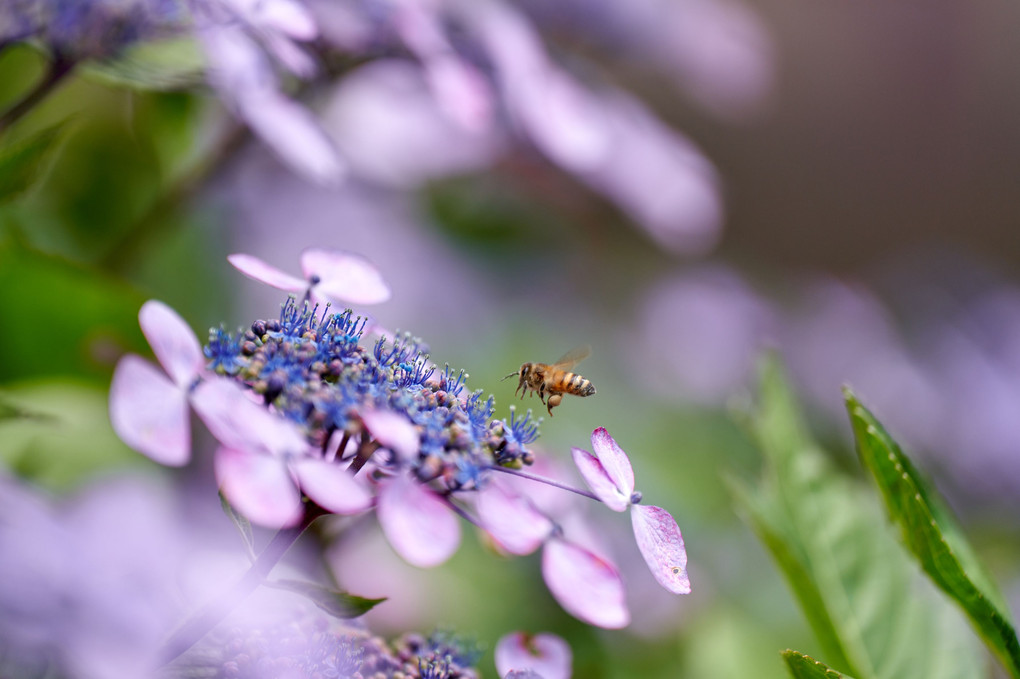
86,585
708,328
547,655
610,476
718,50
89,29
238,37
417,523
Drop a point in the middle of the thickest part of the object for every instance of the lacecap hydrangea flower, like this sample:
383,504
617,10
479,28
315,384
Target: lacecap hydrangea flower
313,416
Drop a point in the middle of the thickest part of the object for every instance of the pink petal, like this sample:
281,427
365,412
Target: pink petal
393,431
284,16
614,460
238,422
461,92
149,412
545,654
511,520
658,537
293,133
173,342
331,486
259,486
589,588
255,268
598,480
345,277
419,526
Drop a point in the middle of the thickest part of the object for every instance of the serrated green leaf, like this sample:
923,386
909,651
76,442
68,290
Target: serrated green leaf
243,526
932,535
873,614
170,64
22,162
806,667
337,603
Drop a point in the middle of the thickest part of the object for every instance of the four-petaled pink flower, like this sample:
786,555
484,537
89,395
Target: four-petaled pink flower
330,276
544,655
611,478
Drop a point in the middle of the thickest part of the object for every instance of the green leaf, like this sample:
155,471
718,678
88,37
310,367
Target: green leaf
872,612
69,438
337,603
22,162
63,319
170,64
932,535
805,667
243,526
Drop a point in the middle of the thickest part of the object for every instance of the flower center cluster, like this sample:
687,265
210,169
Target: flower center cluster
313,369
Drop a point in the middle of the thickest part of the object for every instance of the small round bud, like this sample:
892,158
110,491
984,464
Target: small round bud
258,328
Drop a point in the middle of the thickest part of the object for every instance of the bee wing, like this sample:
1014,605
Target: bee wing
573,357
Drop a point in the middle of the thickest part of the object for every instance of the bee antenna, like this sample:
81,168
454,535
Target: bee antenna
513,374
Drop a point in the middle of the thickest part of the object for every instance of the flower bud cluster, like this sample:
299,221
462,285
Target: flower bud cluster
313,369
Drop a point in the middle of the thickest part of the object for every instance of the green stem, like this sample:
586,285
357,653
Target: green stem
203,621
58,70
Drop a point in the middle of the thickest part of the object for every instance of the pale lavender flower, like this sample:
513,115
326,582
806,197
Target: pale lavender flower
86,585
610,476
546,655
238,37
586,585
330,276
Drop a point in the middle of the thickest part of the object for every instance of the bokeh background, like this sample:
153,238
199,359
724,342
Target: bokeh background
834,181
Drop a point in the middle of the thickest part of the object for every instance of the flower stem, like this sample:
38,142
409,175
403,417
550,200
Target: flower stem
58,69
542,479
365,450
204,620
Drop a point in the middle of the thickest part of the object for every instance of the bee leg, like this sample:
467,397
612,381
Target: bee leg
554,400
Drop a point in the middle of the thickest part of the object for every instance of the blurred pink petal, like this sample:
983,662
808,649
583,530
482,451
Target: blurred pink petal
589,588
392,121
283,16
614,460
345,276
418,525
658,537
258,486
149,412
394,431
293,133
255,268
659,177
545,654
173,342
560,116
598,480
238,422
461,91
511,520
331,486
293,57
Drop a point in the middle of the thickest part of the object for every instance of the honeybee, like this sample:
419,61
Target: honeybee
554,380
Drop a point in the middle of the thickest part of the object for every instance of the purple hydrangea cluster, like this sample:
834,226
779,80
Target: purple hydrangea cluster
311,418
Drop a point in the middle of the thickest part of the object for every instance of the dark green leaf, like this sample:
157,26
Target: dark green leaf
243,526
335,602
873,615
63,319
806,667
22,162
170,64
931,533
